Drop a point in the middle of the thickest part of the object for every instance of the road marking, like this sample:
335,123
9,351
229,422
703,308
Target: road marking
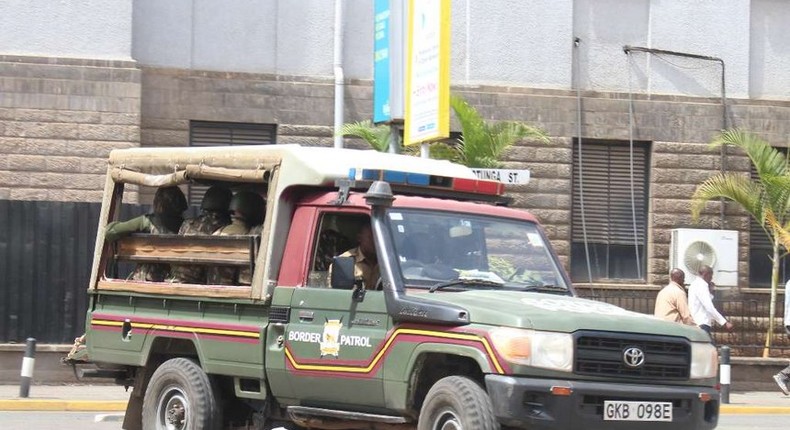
103,418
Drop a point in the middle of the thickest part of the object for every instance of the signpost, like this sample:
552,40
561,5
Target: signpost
505,176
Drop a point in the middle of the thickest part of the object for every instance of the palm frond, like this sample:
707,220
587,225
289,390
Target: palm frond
777,195
482,144
766,159
780,232
377,136
735,187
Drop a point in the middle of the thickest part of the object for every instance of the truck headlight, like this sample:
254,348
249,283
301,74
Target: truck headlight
543,349
704,360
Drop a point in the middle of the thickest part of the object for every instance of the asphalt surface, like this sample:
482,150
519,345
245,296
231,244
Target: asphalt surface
112,398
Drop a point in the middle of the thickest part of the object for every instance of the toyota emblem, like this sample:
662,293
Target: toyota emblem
633,357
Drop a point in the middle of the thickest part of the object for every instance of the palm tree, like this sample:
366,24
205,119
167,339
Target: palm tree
377,136
481,143
766,198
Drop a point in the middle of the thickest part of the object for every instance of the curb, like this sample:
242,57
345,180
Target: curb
63,405
753,410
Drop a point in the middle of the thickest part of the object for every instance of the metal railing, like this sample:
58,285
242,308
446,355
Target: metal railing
749,315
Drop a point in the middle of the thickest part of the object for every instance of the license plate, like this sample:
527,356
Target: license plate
637,411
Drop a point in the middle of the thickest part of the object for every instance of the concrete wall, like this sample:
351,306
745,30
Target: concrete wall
59,119
301,107
709,28
257,36
770,52
99,29
513,42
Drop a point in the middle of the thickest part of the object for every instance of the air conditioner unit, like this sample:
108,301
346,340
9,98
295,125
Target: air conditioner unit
692,248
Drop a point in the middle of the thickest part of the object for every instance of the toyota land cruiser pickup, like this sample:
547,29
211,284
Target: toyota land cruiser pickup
473,323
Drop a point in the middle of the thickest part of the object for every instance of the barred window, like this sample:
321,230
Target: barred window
210,133
602,186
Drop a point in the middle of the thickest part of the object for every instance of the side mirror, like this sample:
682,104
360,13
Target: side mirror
342,273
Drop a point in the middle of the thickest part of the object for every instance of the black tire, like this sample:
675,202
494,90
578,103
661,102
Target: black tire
180,397
457,403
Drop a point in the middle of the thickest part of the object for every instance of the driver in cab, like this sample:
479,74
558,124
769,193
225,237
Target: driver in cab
366,264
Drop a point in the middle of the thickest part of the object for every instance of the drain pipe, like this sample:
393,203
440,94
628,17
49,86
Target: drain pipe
338,70
724,121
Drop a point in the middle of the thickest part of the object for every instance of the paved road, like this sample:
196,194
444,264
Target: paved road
754,422
59,421
54,421
86,421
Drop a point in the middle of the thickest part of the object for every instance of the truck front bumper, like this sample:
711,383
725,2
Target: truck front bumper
529,403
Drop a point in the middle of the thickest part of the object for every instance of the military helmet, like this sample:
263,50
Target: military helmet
217,198
250,205
169,200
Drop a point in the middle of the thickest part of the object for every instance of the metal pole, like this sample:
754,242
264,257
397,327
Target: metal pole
425,150
337,66
394,147
28,362
724,374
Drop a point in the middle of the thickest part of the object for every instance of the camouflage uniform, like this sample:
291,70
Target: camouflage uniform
150,223
248,208
227,275
204,224
169,203
245,275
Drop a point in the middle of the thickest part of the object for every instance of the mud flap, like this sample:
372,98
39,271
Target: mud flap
133,418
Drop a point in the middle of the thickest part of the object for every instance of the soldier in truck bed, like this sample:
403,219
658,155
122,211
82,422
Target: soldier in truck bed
214,214
247,210
169,205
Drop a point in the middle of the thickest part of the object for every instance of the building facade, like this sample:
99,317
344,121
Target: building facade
630,127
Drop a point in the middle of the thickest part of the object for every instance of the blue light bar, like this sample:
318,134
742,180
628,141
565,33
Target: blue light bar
391,176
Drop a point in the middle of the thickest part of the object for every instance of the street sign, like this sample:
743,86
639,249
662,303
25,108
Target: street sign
505,176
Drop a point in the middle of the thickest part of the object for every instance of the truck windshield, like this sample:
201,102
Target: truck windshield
449,250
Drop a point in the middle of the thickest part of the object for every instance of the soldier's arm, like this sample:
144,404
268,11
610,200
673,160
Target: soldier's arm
117,229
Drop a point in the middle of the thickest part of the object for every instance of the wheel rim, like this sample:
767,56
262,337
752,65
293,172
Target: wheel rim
447,420
172,412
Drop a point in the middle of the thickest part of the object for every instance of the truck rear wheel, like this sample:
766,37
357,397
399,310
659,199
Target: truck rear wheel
180,397
457,403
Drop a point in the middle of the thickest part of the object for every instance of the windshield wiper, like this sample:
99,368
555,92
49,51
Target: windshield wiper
464,281
546,287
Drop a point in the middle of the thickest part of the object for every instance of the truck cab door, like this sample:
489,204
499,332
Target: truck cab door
333,343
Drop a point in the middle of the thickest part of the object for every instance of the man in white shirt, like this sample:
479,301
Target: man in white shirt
701,301
783,378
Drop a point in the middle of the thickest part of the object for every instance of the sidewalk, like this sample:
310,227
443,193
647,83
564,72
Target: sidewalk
113,398
100,398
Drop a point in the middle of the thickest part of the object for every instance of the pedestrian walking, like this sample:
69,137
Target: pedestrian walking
671,302
701,301
783,377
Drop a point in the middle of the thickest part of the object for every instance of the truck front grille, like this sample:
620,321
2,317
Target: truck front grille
602,354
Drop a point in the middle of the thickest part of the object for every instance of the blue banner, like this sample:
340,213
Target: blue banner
381,61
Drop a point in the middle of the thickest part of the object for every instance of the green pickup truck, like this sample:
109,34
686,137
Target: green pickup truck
471,323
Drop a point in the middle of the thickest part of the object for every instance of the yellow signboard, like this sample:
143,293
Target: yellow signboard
427,113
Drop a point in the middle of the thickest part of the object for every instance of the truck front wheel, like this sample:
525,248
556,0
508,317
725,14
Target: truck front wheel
180,397
457,403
